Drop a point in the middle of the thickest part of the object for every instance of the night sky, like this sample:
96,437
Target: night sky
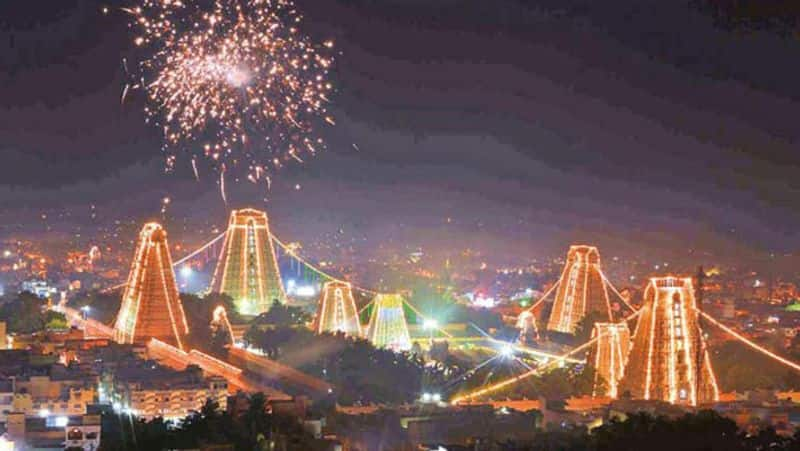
642,124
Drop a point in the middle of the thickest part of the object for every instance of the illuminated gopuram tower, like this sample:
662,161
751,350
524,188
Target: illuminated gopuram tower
337,311
151,307
668,348
609,356
581,289
387,324
247,269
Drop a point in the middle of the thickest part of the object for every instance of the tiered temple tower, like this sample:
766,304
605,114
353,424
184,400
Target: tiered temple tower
151,306
609,356
582,289
668,348
247,269
387,324
337,310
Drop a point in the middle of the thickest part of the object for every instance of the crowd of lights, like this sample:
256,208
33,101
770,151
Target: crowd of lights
232,81
388,327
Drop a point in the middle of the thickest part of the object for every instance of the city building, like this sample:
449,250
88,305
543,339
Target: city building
148,390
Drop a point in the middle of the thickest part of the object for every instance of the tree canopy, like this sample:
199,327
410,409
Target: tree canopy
27,313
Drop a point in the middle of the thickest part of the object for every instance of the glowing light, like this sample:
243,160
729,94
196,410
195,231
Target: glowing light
151,283
581,289
337,311
186,271
305,291
513,380
430,323
507,350
233,82
387,325
44,413
6,444
247,269
484,301
667,357
610,355
746,341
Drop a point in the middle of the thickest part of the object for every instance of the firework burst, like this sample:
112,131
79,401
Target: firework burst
232,80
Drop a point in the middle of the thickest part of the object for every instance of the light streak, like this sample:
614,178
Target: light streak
194,169
619,295
222,186
512,380
559,359
424,317
544,296
288,249
749,343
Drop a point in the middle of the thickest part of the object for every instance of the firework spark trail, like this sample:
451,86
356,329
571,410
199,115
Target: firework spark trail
232,81
194,169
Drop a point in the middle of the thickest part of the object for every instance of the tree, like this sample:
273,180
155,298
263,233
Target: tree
103,306
283,315
27,313
255,429
584,328
199,314
359,371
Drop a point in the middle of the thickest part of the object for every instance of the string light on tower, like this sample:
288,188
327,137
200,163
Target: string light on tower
337,311
247,268
581,289
662,363
151,306
387,325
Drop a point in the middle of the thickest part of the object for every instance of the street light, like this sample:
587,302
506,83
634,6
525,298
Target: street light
430,324
186,271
